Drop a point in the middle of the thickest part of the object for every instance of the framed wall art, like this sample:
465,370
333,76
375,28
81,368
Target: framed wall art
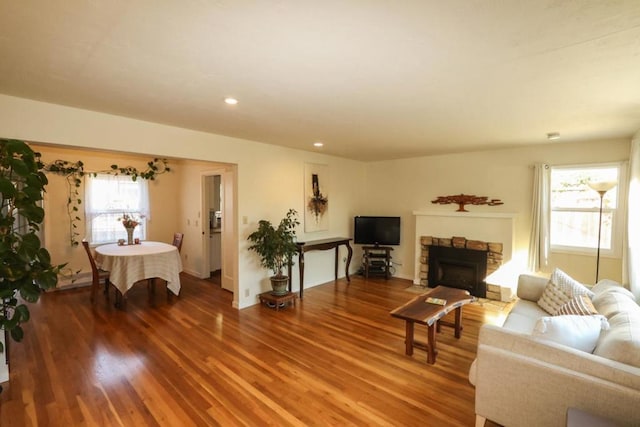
316,197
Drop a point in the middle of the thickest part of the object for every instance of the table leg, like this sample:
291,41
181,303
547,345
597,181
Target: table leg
336,265
301,267
431,351
458,327
121,300
151,289
408,340
346,268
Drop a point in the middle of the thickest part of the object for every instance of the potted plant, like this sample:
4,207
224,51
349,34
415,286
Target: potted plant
276,247
25,266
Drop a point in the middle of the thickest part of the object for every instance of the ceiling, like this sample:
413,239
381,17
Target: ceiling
371,79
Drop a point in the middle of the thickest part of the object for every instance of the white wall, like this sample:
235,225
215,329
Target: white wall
270,178
399,187
4,365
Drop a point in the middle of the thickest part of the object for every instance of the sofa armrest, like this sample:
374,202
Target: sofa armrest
522,381
530,287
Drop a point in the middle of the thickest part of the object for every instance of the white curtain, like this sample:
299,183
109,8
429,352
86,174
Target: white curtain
632,258
107,198
539,239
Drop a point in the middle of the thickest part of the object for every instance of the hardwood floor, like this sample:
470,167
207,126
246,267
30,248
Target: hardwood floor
336,358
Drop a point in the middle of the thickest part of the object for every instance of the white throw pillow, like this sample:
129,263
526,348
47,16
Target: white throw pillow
579,332
560,289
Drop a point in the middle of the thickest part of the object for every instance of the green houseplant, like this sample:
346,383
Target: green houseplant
276,247
25,266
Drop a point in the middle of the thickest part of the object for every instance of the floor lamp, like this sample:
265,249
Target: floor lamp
601,188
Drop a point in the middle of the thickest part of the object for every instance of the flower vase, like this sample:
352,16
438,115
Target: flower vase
129,235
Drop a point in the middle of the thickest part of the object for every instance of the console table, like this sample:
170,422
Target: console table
321,245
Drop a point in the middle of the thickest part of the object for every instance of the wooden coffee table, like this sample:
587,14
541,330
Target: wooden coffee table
419,311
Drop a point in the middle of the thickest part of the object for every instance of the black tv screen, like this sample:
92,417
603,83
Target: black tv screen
376,230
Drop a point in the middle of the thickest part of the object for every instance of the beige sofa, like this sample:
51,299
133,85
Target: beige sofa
526,380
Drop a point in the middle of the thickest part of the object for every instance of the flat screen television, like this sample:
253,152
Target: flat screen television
376,230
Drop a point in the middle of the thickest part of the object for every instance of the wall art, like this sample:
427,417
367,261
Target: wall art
316,197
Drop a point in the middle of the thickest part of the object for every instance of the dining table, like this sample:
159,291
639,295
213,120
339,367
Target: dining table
128,264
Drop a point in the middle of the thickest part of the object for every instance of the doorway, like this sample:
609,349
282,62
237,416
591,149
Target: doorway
213,189
219,236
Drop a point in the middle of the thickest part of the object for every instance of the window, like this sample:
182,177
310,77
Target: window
575,209
107,198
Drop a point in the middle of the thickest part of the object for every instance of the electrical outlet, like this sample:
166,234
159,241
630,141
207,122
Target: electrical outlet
245,220
196,222
246,293
188,222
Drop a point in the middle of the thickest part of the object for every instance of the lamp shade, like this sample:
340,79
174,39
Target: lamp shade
602,186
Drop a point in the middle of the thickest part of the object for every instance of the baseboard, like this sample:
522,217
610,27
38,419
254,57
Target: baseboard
77,281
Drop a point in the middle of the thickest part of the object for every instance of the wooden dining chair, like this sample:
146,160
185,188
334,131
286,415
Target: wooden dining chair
97,274
177,240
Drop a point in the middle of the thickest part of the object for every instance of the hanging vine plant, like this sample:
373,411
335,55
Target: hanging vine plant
74,173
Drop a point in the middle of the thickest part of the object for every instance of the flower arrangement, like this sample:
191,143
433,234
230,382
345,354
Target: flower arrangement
129,221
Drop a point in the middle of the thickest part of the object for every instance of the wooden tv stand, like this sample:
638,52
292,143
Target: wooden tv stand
377,260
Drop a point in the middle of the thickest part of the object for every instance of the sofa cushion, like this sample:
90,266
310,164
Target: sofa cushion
523,316
580,305
560,289
579,332
622,341
606,285
610,303
473,372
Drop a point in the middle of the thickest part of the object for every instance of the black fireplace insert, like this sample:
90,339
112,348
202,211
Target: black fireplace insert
458,268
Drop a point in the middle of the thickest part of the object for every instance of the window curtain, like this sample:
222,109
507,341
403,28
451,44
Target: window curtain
107,198
631,272
539,239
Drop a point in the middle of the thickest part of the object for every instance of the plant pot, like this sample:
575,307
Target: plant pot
280,285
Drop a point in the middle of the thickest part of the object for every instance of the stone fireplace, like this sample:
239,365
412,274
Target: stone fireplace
459,263
481,229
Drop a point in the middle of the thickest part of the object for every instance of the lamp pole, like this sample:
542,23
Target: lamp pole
601,188
602,193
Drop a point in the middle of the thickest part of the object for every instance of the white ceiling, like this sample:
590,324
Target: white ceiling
372,79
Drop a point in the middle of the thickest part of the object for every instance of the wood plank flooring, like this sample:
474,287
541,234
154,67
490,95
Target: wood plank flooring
336,358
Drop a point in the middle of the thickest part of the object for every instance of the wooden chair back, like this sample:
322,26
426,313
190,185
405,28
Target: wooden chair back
177,240
94,269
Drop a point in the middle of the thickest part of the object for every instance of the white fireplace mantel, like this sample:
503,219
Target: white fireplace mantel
498,227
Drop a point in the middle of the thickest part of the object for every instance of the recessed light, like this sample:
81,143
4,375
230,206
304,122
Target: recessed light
231,101
553,136
318,144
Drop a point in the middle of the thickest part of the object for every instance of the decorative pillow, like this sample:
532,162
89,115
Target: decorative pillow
560,289
579,332
580,305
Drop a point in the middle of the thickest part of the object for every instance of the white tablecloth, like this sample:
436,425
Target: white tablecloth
129,264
